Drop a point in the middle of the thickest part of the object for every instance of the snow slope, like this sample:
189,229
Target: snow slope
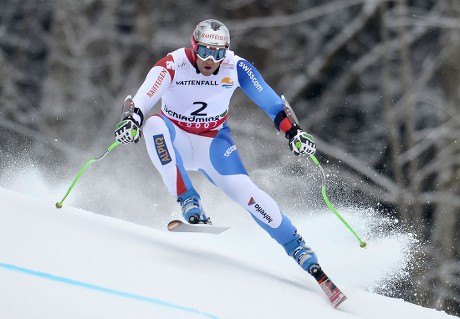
71,263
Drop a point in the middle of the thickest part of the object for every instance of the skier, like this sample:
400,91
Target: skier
191,132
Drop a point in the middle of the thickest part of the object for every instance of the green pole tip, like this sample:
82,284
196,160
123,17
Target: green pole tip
58,205
363,244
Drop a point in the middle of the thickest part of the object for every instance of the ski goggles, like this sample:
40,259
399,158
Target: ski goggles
214,53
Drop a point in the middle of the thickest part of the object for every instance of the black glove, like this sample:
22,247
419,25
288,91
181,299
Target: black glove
300,142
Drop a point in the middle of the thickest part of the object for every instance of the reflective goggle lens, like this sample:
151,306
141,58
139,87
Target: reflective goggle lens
217,54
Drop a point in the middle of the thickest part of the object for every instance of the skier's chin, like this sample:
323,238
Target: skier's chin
207,71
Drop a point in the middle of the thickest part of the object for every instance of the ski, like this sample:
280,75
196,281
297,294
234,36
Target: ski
180,226
333,293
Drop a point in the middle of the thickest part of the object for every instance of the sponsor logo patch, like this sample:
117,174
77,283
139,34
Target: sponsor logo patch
158,82
251,76
227,83
162,150
230,150
197,82
260,210
197,118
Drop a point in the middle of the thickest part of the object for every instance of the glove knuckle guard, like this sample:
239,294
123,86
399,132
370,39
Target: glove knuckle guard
127,132
301,143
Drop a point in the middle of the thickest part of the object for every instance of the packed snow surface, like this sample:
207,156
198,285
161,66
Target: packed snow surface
71,263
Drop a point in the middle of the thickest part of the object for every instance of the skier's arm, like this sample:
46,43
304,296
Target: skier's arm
255,87
252,83
155,84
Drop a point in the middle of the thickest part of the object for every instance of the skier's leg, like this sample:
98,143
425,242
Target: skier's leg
161,139
228,173
170,150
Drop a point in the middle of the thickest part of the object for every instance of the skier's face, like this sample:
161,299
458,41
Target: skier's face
207,67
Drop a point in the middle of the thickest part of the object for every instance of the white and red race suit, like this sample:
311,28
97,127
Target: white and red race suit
191,132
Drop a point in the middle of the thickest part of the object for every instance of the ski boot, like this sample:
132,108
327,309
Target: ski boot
302,254
192,211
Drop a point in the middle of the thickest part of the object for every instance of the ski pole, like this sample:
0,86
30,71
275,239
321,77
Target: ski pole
127,111
83,169
362,244
293,118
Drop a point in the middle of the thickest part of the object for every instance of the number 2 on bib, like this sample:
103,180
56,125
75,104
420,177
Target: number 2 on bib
197,112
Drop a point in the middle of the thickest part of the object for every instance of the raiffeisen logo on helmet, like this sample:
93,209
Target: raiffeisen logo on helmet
211,36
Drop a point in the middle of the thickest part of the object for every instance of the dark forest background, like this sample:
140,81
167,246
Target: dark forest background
376,82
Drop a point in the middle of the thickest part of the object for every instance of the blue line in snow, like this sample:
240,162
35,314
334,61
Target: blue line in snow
105,290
